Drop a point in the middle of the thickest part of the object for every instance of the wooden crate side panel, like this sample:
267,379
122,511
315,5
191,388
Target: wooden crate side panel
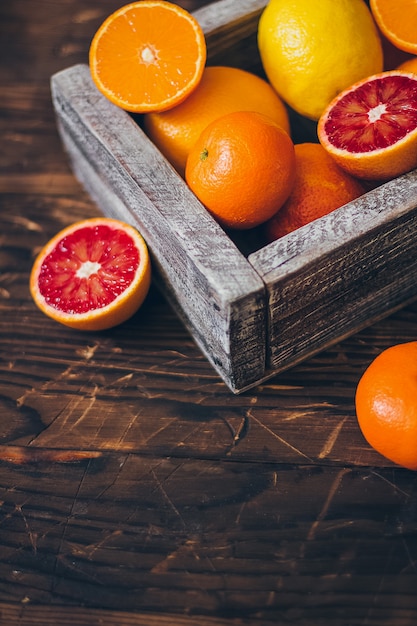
341,273
231,28
210,281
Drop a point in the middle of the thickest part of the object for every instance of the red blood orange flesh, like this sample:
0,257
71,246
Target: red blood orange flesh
370,129
92,275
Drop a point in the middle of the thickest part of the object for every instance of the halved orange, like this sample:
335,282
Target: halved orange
370,129
397,20
92,275
148,56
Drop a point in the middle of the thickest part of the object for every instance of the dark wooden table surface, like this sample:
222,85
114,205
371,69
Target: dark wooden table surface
135,489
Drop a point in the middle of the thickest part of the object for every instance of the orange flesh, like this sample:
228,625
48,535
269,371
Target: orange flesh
148,57
376,115
88,269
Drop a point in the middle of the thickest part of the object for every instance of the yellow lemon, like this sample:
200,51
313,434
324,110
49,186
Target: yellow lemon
311,51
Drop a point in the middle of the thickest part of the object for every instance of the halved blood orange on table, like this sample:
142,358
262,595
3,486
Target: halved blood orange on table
148,56
370,129
92,275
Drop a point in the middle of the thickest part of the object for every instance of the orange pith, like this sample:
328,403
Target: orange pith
242,169
370,129
320,187
386,405
92,275
221,90
397,20
148,56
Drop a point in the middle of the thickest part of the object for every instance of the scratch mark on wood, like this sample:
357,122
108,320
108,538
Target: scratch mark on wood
19,455
121,440
188,548
73,406
122,463
332,491
329,445
393,485
123,379
23,221
280,439
60,557
88,352
239,432
295,415
50,383
412,563
239,514
33,537
167,498
90,550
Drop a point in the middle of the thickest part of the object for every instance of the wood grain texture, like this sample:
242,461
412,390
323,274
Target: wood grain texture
217,292
340,273
135,489
319,285
182,527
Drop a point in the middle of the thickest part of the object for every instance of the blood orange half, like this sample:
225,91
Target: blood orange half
92,275
370,129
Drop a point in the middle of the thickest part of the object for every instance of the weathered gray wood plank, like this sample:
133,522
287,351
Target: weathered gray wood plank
231,32
323,282
342,272
211,283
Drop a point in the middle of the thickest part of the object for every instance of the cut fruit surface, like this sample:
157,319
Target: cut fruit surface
397,20
148,56
92,275
370,129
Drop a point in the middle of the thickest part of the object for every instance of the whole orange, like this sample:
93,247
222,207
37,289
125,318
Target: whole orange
410,65
242,169
320,187
386,404
221,90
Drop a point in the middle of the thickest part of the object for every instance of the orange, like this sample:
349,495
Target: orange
370,129
148,56
386,404
242,168
320,187
410,65
92,275
397,20
393,56
221,90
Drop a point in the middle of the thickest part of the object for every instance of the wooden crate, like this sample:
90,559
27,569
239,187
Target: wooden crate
252,314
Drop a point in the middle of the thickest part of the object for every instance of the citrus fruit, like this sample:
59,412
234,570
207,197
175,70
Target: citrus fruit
242,168
386,406
410,65
370,129
148,56
221,90
320,187
92,275
397,20
311,51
